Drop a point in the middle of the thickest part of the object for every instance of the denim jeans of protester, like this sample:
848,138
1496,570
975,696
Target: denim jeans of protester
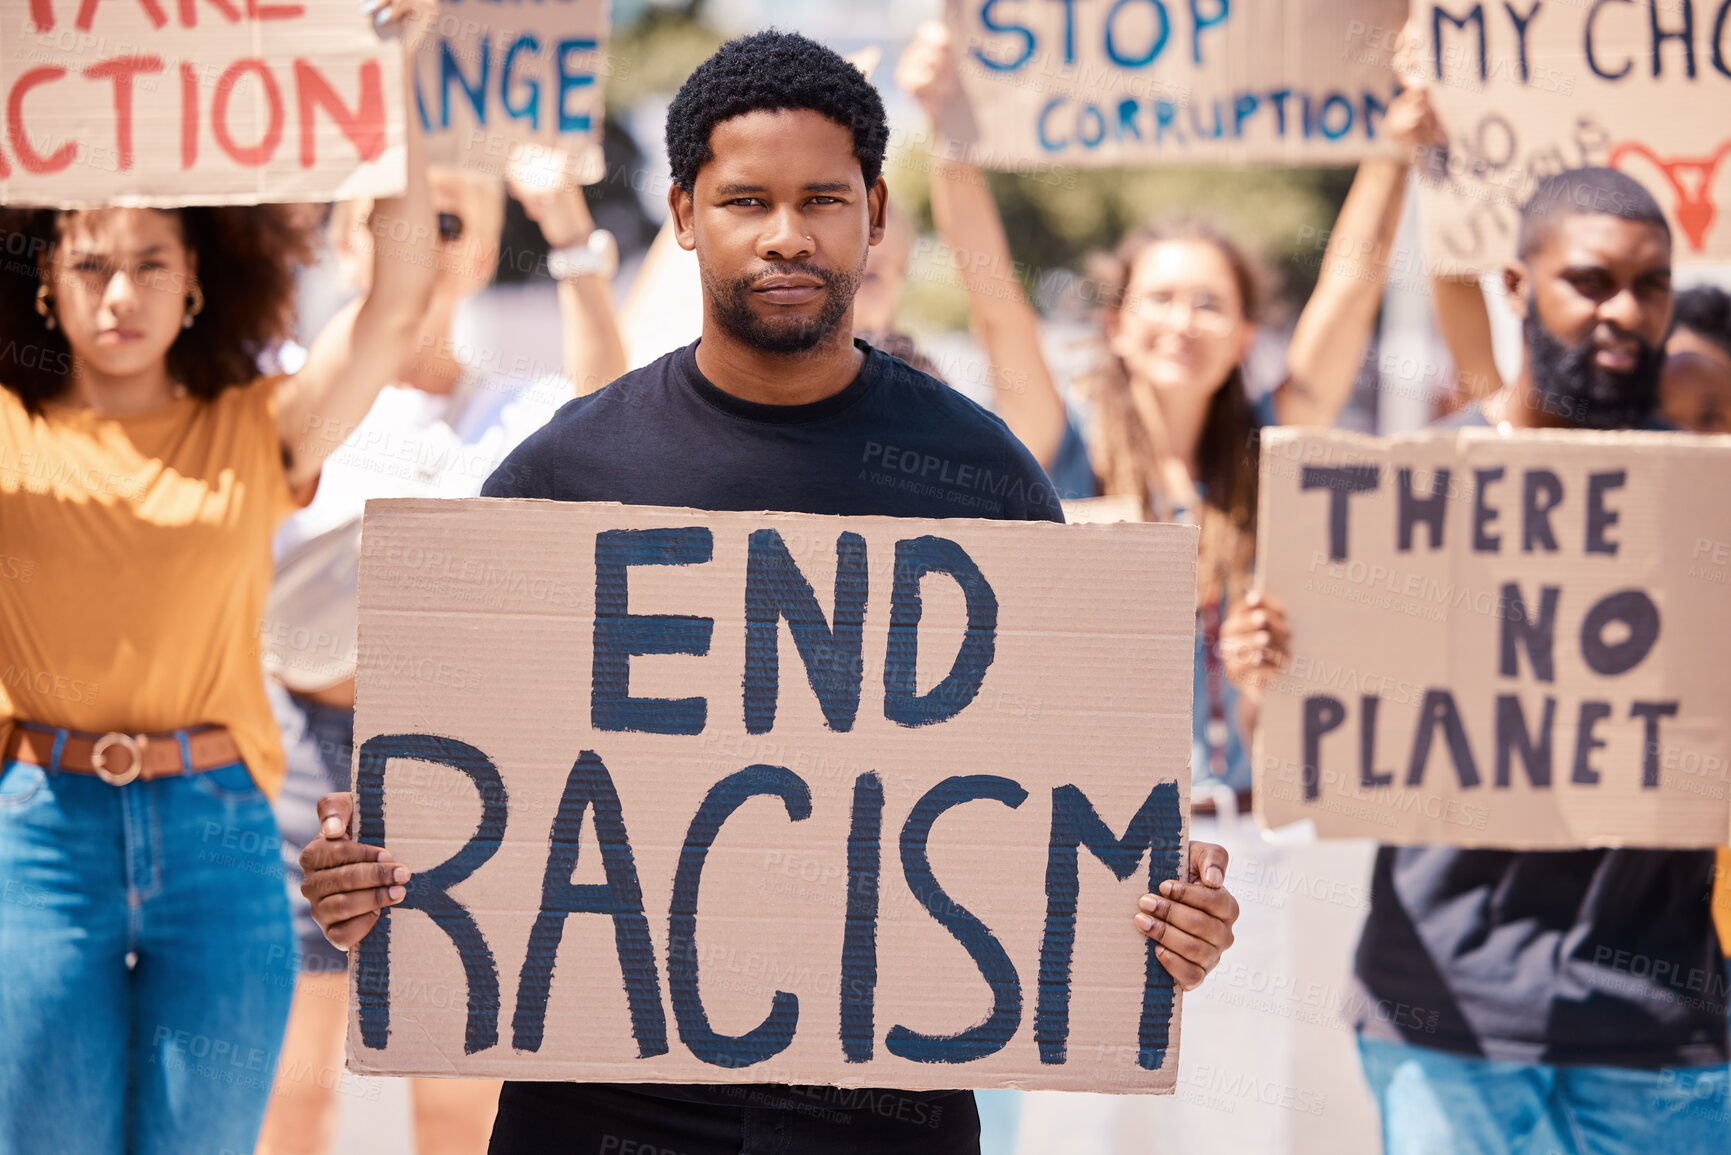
1437,1103
146,963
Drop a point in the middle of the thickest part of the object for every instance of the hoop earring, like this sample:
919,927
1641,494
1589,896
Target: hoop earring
194,304
45,304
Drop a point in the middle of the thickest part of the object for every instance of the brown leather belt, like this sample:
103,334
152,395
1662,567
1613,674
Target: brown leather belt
118,758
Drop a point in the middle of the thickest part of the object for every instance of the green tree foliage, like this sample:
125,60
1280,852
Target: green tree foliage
653,54
1055,219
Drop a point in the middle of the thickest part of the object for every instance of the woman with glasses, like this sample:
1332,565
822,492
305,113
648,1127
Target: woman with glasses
1172,424
450,414
144,464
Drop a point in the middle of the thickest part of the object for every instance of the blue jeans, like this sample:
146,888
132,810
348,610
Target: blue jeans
146,963
319,742
1437,1103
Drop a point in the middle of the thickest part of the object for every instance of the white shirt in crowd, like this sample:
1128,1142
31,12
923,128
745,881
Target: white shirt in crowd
411,444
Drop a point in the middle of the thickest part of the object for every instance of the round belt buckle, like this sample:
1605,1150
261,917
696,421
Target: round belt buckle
99,758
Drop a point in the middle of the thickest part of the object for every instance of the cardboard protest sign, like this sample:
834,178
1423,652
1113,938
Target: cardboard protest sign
1099,83
214,102
1643,88
1499,641
498,84
659,837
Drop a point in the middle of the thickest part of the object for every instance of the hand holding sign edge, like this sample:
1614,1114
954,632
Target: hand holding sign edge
347,883
1190,923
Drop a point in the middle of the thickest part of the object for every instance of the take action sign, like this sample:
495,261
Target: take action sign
762,797
177,102
1129,83
1499,641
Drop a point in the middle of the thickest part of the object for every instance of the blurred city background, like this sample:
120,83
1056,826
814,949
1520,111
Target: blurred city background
1242,1086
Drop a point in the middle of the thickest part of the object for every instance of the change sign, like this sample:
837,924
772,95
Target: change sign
1528,89
1499,641
141,102
1095,83
497,84
747,797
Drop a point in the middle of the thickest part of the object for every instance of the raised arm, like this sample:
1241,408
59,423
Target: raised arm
594,349
361,349
1004,323
1459,309
1334,329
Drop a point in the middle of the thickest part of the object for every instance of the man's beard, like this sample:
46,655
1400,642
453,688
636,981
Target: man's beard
1568,384
731,304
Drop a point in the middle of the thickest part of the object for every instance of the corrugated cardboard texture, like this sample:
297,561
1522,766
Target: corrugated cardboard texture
1096,83
117,109
478,625
502,84
1639,87
1387,632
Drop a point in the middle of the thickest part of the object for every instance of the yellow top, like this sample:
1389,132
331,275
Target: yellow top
1722,898
135,555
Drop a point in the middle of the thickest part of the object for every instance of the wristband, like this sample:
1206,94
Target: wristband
599,257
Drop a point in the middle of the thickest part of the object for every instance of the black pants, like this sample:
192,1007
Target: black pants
595,1119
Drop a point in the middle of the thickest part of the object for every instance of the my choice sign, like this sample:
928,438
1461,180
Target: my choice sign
1091,83
172,102
746,797
1528,88
1500,641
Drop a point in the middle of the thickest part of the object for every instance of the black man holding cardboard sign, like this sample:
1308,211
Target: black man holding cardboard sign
1573,994
776,145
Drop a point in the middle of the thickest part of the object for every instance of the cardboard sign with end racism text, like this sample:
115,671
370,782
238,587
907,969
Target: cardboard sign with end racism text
207,102
1527,90
1105,83
1499,641
763,797
498,85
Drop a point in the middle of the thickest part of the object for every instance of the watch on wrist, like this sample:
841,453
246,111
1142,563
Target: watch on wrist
599,257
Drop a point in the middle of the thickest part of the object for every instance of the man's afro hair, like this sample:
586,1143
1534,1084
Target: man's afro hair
773,70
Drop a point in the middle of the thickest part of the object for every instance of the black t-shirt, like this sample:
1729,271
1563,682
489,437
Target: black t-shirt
1575,957
895,442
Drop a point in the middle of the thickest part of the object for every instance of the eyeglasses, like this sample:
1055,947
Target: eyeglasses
1208,314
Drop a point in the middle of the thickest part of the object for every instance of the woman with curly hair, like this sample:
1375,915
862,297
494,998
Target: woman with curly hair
144,464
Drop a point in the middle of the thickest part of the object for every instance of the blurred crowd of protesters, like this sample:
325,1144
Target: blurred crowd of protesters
155,973
148,957
1531,1033
442,428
